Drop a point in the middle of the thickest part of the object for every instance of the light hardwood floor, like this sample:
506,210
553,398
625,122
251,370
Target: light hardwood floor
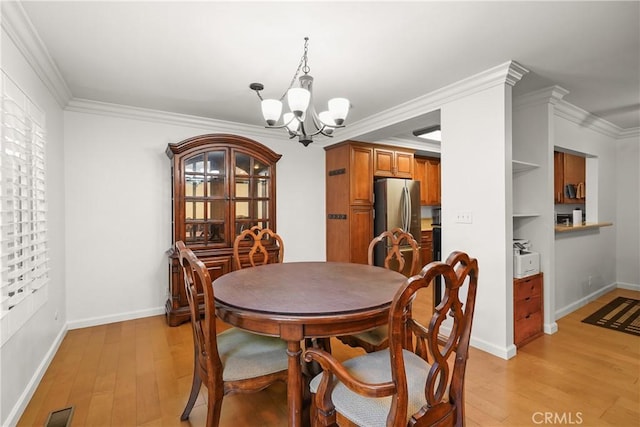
138,373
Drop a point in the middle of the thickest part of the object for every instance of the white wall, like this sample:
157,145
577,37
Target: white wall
588,254
119,211
627,208
25,356
476,141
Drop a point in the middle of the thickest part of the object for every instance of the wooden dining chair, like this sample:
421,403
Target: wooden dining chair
261,241
234,361
422,372
394,240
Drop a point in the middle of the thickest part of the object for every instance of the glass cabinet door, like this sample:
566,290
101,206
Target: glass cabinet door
205,198
221,184
251,204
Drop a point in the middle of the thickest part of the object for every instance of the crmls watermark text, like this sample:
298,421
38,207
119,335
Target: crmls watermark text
567,418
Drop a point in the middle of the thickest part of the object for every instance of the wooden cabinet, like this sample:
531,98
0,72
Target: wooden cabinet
569,178
221,185
427,171
393,163
349,201
351,167
527,309
426,247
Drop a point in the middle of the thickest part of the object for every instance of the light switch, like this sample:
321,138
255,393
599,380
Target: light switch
464,218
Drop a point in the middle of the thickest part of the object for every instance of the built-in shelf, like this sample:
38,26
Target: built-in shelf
525,215
519,166
568,228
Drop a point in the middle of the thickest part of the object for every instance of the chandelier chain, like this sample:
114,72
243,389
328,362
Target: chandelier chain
302,66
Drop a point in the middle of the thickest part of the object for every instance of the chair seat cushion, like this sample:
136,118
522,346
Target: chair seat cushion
247,355
375,336
376,368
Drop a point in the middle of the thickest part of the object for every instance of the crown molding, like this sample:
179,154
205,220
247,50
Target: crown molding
507,73
549,95
175,119
584,118
408,143
554,95
19,28
630,133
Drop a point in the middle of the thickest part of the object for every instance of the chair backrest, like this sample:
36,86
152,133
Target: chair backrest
394,259
258,252
198,281
448,332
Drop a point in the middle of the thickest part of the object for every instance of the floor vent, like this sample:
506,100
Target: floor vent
60,418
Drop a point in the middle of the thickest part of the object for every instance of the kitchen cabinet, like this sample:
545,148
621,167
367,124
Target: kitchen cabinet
569,178
221,185
350,172
426,247
527,309
349,201
427,171
393,163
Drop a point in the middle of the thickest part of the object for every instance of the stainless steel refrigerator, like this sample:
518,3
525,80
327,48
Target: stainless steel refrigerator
396,204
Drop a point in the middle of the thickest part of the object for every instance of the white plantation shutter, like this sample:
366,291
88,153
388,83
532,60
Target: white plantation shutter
23,210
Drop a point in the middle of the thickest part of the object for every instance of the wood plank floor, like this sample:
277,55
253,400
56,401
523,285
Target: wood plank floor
138,373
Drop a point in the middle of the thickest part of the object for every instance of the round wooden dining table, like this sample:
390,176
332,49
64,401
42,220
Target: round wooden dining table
300,300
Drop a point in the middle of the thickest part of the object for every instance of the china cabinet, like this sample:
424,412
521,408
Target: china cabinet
221,185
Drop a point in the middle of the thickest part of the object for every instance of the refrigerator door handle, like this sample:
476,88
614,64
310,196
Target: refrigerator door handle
405,203
409,209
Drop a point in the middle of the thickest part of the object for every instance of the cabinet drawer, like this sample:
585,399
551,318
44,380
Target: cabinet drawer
426,238
526,307
527,327
528,287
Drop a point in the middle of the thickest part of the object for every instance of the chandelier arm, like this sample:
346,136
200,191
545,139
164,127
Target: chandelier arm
276,127
312,120
259,95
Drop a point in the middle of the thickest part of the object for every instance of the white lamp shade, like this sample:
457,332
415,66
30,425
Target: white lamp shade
327,119
271,109
291,122
298,99
339,108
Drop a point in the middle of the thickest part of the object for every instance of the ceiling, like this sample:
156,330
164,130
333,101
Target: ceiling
198,58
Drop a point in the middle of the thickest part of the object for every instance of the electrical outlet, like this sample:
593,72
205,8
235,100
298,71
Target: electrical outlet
464,218
55,315
590,281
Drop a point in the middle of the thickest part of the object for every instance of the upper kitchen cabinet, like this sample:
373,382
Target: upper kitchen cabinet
427,171
569,178
393,163
221,185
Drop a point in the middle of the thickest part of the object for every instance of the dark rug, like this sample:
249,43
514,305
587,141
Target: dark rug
622,314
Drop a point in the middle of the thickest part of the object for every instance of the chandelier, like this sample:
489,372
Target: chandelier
302,121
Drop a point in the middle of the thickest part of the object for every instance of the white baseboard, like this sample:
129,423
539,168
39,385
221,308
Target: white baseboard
24,399
550,328
120,317
630,286
584,301
501,352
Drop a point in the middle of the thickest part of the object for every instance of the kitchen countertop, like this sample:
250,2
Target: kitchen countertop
567,228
